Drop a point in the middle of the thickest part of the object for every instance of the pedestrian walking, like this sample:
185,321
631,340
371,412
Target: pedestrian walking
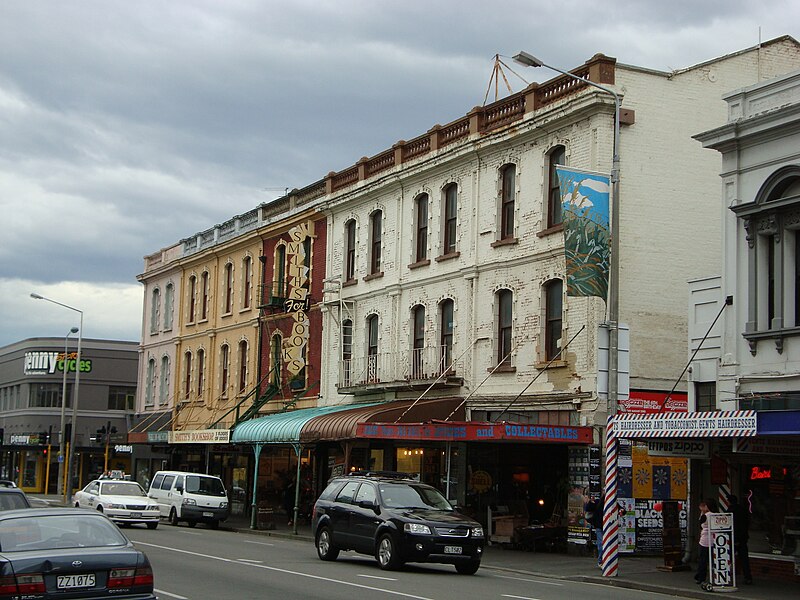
593,512
706,506
741,535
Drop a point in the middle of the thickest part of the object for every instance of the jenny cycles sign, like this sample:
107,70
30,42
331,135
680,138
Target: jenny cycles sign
49,363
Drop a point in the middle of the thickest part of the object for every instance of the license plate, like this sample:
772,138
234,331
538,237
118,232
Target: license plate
208,514
136,515
68,582
452,549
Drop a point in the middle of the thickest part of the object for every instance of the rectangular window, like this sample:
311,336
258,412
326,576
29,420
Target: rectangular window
121,397
450,218
192,297
376,227
204,291
169,299
187,381
228,288
422,228
350,251
554,212
163,394
201,375
553,318
507,207
155,307
504,323
247,284
47,395
242,366
705,396
224,378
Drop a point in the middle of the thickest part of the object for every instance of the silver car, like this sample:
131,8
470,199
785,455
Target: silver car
124,502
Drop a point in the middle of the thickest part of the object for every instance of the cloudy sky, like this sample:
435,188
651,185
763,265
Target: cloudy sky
126,126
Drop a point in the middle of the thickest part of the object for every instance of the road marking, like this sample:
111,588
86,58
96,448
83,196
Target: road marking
376,577
191,533
519,597
258,543
529,580
287,571
249,560
170,595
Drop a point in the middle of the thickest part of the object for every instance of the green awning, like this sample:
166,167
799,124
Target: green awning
283,428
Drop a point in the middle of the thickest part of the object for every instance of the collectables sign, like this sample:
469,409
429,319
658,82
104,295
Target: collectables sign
721,573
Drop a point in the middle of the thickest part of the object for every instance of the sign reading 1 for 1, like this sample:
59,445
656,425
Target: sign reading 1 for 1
722,575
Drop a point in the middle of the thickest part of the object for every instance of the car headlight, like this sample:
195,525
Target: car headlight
190,501
477,532
417,528
114,506
223,505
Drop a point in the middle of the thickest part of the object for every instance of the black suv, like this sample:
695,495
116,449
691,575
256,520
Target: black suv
396,519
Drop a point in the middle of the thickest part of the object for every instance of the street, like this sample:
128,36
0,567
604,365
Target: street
202,564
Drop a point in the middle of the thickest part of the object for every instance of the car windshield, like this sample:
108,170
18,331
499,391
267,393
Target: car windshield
397,495
12,500
50,532
207,486
122,488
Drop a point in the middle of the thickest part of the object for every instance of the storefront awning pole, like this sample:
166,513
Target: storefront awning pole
297,484
447,485
254,507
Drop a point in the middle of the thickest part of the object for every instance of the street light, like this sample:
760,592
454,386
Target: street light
71,453
609,557
63,414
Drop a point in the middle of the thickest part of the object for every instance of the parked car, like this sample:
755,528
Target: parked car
63,553
124,502
13,498
395,519
7,483
190,497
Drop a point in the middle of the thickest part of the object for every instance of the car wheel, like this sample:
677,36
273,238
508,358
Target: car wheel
191,523
152,525
468,568
325,548
99,509
387,555
173,517
77,505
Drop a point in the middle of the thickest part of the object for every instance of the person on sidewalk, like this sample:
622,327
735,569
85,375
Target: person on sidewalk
741,535
706,506
594,516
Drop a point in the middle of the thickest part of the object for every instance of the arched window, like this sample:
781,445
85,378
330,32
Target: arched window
504,326
347,351
204,292
508,193
192,298
553,291
372,349
421,227
279,274
350,250
449,226
247,282
169,302
228,288
375,242
275,360
556,156
149,392
418,342
163,388
446,334
187,375
224,356
201,372
155,308
242,365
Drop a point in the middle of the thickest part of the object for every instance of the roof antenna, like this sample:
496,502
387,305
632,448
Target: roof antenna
497,73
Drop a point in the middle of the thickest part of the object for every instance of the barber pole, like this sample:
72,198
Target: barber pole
610,559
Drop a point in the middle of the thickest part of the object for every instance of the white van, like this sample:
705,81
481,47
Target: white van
191,497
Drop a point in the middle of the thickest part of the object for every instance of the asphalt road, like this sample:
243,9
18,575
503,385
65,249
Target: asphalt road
202,564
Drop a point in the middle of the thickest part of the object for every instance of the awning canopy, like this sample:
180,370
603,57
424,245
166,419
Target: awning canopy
283,428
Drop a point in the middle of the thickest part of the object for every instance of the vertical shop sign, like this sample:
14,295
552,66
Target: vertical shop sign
720,526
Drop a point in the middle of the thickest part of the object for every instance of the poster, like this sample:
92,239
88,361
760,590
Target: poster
650,526
627,524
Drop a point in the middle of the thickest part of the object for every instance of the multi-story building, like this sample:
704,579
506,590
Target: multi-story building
753,362
32,382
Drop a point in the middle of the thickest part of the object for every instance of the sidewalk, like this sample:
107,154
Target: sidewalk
635,572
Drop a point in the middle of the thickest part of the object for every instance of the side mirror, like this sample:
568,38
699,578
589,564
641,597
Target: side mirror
179,489
454,504
368,504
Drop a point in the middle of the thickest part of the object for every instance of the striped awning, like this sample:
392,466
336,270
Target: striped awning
284,428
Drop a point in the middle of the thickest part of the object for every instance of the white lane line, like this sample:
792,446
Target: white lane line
287,571
171,595
529,580
258,543
191,533
249,560
519,597
376,577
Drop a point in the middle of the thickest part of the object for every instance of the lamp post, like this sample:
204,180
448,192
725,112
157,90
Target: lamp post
63,414
71,452
610,544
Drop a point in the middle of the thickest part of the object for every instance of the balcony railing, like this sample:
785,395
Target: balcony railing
420,365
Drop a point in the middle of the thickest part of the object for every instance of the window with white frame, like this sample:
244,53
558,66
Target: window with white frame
247,282
350,250
373,335
421,228
347,352
187,375
446,334
169,302
201,372
508,194
772,226
242,366
192,297
450,217
375,242
505,321
228,288
155,309
204,278
224,374
418,342
556,156
149,384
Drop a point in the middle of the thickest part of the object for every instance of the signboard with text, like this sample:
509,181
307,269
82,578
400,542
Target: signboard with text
475,432
202,436
721,573
648,403
49,363
729,423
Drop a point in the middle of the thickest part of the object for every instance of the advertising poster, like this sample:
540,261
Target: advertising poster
627,524
650,526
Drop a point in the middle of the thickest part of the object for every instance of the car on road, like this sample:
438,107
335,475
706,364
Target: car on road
396,519
124,502
7,483
13,498
66,553
190,497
